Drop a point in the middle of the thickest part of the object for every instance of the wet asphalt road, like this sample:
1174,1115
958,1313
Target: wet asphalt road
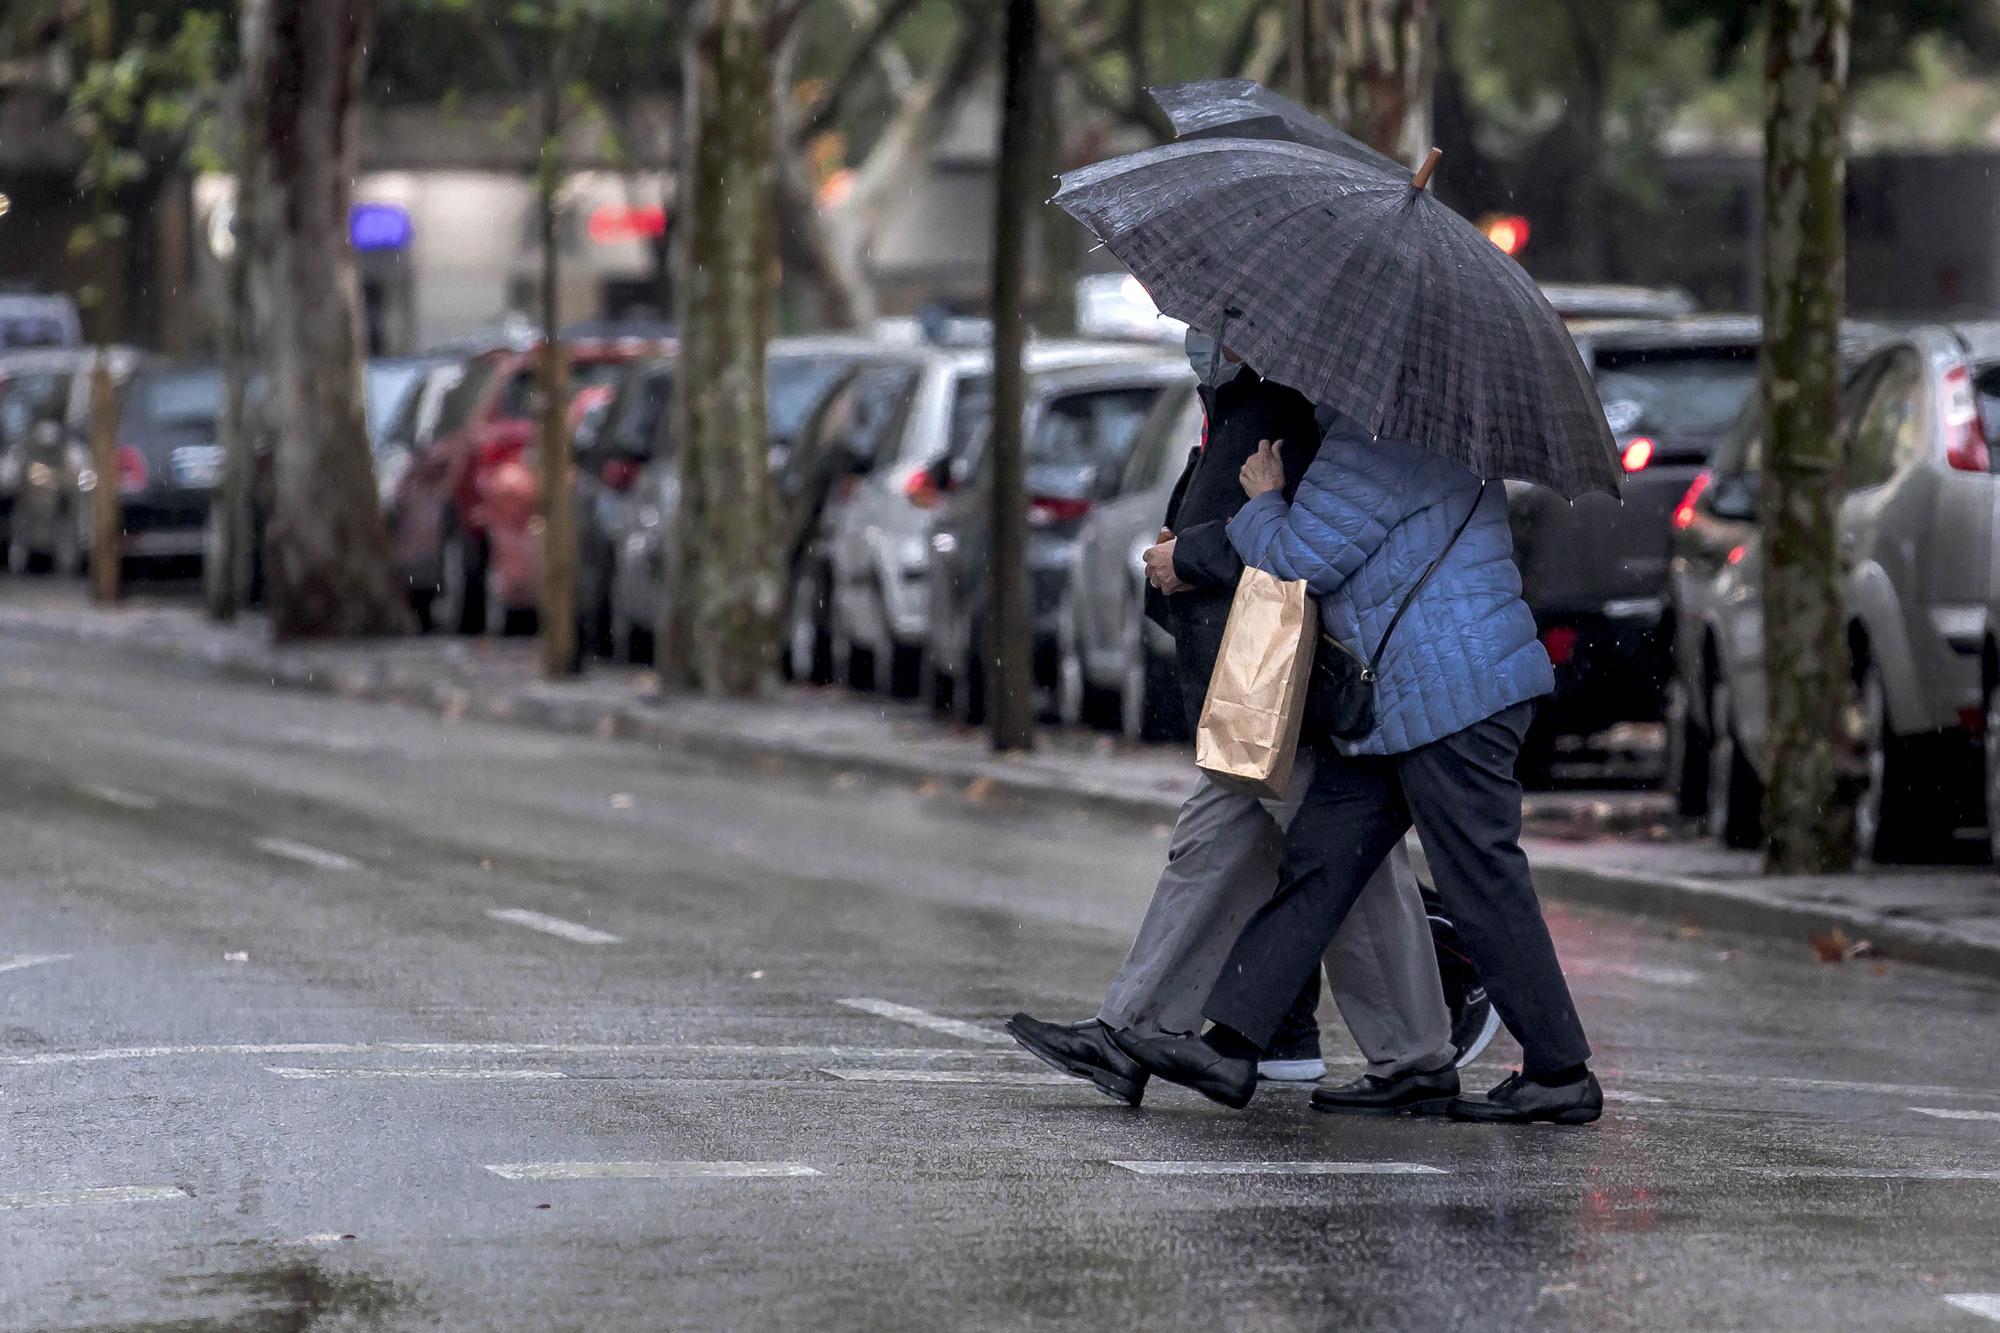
255,1000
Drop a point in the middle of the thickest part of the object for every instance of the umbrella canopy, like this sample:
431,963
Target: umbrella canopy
1326,270
1246,109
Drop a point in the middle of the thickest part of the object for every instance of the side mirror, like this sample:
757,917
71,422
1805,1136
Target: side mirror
620,474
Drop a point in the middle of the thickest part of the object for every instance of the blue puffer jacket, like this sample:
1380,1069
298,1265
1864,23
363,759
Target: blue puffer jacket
1370,515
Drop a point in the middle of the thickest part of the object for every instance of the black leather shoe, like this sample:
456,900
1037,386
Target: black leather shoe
1193,1063
1082,1050
1517,1101
1415,1092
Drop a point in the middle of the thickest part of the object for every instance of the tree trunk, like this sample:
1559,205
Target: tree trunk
107,516
1060,240
1010,633
1368,65
724,590
330,568
226,567
556,611
1807,811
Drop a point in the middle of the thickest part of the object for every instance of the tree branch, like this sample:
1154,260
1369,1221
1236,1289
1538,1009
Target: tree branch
1132,108
821,116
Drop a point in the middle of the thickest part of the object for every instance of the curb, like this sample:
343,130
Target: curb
1708,904
1727,906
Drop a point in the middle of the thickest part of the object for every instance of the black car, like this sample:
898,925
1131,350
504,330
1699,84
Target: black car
1080,426
1595,572
169,461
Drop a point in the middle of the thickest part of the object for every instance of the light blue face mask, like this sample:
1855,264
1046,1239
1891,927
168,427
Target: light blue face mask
1204,354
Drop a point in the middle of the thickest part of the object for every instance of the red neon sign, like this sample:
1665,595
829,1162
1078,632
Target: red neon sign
612,223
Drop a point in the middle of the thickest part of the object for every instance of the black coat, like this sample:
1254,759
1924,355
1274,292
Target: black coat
1240,413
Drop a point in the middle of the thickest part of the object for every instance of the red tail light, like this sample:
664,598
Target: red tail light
1684,511
1561,644
1638,453
132,470
1964,432
1046,510
920,490
620,473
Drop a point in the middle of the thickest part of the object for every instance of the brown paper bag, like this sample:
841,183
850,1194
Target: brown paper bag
1249,732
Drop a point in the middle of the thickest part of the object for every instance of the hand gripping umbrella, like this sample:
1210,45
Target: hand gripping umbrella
1330,268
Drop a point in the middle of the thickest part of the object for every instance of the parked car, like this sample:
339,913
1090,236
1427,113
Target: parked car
800,373
398,433
465,506
1575,301
1079,429
1112,664
1595,571
877,533
38,319
168,462
1916,535
613,445
45,450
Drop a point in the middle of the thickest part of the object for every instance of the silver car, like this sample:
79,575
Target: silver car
1916,535
876,534
1114,666
45,451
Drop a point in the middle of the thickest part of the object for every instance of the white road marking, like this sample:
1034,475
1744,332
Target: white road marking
472,1048
1658,976
324,1238
648,1170
307,854
287,1071
1010,1078
118,796
1985,1304
903,1013
1948,1113
19,961
1807,1084
552,925
102,1194
1280,1169
1869,1173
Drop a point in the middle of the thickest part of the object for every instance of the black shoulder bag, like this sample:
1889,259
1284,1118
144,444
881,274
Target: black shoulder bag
1340,698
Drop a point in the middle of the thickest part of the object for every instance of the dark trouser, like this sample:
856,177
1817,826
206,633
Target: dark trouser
1461,795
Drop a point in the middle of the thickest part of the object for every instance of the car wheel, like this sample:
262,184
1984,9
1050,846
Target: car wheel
1992,783
1070,687
1735,793
906,668
808,645
1687,753
968,686
1898,816
462,583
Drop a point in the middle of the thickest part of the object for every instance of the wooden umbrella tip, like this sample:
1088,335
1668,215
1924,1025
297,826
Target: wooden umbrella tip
1423,176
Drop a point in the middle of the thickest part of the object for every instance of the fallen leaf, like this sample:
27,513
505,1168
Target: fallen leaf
979,791
607,727
647,684
542,1207
929,787
1688,932
347,1235
485,863
1831,945
1879,970
842,781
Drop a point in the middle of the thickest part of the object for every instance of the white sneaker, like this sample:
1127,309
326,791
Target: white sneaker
1292,1071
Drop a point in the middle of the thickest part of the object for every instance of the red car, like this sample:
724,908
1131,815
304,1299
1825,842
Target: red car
466,511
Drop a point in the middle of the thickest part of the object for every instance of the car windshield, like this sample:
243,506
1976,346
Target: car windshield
636,416
459,401
795,386
190,399
971,409
1677,391
385,387
29,330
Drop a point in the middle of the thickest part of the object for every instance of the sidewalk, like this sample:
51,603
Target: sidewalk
1608,849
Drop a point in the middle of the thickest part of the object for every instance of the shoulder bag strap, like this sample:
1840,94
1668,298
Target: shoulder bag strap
1375,663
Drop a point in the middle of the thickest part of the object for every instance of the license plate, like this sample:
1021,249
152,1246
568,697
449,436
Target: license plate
197,466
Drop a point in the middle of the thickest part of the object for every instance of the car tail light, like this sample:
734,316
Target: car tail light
1561,644
1048,510
1684,511
1964,432
620,473
132,470
920,490
1638,453
1736,554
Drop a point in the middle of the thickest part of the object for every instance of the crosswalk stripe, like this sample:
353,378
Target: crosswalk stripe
552,925
1280,1169
1002,1078
101,1194
307,854
291,1072
1869,1173
1985,1304
1951,1113
903,1013
648,1170
19,961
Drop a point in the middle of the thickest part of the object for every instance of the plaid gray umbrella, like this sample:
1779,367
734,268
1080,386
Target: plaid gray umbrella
1327,271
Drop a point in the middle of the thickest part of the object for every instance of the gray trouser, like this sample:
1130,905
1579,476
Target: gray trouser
1222,865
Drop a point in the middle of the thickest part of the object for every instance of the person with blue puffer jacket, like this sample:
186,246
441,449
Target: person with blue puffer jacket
1453,699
